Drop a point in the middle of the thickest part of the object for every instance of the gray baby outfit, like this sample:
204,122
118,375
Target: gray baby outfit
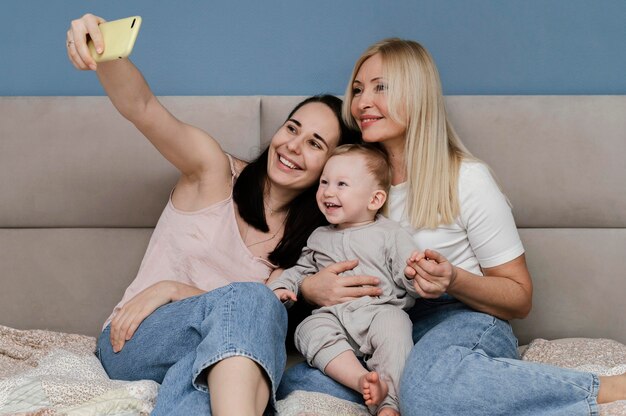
375,328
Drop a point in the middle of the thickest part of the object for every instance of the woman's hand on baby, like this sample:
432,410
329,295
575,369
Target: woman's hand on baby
132,314
431,272
76,41
285,295
326,287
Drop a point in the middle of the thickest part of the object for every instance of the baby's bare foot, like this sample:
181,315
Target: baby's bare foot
374,389
387,411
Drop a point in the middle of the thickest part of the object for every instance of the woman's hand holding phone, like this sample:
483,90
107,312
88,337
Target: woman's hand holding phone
91,39
76,42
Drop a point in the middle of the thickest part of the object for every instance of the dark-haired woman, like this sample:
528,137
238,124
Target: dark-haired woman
198,318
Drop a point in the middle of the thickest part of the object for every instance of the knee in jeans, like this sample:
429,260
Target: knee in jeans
426,367
265,303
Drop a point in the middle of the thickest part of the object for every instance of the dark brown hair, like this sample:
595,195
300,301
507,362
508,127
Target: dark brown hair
303,214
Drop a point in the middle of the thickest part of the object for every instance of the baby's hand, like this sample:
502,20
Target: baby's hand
431,272
410,271
285,295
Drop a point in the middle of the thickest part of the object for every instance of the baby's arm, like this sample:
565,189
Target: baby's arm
286,283
285,295
274,275
404,253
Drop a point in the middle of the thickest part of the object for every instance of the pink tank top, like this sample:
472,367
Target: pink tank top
200,248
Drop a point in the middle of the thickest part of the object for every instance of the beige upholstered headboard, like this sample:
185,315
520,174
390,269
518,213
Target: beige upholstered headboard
80,190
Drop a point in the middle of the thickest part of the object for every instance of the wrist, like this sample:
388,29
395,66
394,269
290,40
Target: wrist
303,289
169,291
453,279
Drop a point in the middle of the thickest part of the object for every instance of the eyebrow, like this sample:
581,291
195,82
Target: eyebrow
317,136
356,81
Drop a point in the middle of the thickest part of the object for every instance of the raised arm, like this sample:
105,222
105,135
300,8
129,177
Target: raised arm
192,151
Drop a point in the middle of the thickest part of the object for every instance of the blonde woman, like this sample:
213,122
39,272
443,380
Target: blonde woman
473,277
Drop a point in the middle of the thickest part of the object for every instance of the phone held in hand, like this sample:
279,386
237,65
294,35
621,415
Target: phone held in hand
119,38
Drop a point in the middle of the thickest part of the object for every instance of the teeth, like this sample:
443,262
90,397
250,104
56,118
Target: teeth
331,205
287,163
365,120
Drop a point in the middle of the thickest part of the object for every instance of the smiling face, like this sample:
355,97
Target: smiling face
348,194
301,146
369,105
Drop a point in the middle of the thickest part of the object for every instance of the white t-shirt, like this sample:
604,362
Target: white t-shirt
484,234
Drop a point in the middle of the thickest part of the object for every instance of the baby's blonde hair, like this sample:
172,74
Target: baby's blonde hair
376,161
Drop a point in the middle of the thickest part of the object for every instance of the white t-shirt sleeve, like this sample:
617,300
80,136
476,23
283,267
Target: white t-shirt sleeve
487,217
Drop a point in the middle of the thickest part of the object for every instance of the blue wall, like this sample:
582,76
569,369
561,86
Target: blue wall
304,47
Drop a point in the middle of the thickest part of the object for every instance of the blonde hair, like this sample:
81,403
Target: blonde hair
376,161
433,151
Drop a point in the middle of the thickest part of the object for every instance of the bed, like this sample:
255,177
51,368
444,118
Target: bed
82,190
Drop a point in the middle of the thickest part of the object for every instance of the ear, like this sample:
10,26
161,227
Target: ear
377,200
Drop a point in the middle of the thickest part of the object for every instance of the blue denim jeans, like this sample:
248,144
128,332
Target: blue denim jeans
176,344
466,363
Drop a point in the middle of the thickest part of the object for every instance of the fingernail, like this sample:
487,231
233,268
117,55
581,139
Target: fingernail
93,67
99,49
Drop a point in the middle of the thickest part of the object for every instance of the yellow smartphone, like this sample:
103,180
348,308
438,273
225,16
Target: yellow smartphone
119,38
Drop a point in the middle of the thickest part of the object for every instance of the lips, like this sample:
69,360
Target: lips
368,120
331,207
288,163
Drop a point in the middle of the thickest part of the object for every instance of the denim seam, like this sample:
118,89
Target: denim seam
592,398
233,352
228,326
491,326
521,368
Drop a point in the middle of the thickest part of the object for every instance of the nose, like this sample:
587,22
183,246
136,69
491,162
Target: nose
364,100
295,144
328,191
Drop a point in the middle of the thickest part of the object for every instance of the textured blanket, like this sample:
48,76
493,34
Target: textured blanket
50,373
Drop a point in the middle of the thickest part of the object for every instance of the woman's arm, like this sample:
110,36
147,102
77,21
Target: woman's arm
327,287
194,152
505,291
128,318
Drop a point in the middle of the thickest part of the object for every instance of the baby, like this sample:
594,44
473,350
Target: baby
353,188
